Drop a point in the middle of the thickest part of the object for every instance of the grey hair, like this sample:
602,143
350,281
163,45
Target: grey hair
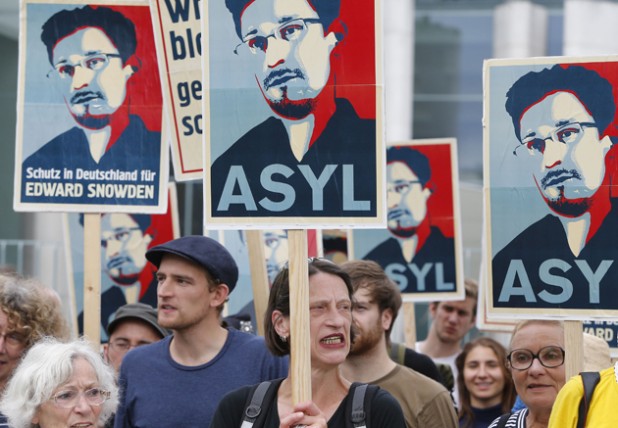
520,325
45,367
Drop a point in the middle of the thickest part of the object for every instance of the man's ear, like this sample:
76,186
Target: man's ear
132,66
336,32
433,307
427,191
387,319
220,295
429,186
148,239
105,352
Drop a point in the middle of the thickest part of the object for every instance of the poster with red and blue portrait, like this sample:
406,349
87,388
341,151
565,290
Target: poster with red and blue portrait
420,249
293,112
90,129
240,310
126,275
550,171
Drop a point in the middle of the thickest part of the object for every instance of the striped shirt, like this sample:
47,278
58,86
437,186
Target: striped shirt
516,420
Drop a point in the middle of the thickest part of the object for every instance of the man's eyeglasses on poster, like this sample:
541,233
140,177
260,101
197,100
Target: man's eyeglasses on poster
95,62
118,235
401,187
288,31
570,133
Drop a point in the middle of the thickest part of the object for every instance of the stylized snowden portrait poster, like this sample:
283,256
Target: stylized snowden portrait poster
420,249
550,171
90,135
293,113
126,275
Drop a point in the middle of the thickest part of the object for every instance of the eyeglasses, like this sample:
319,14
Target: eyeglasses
69,398
570,133
272,240
549,356
288,31
95,62
13,339
123,346
401,187
121,235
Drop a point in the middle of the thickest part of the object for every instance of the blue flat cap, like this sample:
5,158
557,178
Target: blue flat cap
204,251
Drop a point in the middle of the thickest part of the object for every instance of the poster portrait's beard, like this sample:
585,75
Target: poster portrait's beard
87,119
568,207
272,269
401,223
125,280
286,107
560,204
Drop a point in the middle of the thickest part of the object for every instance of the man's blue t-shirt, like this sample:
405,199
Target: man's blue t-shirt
158,392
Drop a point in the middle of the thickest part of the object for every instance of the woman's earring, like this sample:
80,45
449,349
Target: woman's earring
283,338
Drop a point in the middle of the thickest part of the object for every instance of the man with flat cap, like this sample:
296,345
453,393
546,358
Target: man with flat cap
178,381
133,325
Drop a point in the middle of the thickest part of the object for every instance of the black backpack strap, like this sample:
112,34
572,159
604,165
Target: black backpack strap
590,381
397,353
358,407
254,408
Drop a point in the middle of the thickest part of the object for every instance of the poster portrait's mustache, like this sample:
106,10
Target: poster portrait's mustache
118,261
272,268
85,96
278,77
553,178
397,213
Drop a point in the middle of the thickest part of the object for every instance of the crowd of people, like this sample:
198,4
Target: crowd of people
177,365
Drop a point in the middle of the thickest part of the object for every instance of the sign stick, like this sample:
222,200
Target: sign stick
300,345
92,278
409,324
259,277
574,347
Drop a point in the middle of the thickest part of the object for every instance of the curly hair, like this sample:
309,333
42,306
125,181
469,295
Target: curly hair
30,310
48,365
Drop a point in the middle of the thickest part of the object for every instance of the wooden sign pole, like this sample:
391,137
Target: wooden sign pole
92,278
300,355
574,347
409,324
259,276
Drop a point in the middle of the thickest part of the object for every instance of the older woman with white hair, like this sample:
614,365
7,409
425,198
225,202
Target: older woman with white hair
60,385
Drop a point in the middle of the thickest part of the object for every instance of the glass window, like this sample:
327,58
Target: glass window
451,41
